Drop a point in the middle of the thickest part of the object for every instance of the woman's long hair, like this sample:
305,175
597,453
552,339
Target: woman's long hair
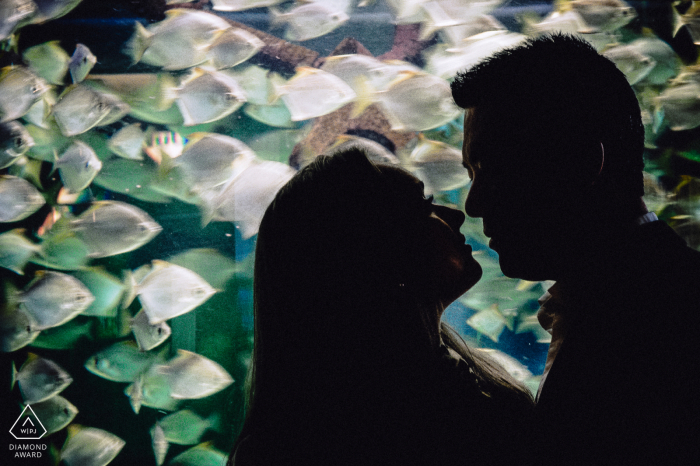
341,292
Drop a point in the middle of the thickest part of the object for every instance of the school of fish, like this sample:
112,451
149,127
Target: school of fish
156,138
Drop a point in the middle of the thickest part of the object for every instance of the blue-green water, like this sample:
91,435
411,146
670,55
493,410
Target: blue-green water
498,313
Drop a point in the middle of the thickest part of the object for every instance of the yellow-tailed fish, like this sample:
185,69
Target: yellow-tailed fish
438,165
48,10
55,413
48,60
207,96
233,46
129,142
15,141
17,329
308,21
148,335
81,63
20,88
16,250
78,166
54,298
80,108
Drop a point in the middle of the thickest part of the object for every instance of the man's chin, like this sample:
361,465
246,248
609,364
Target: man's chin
521,267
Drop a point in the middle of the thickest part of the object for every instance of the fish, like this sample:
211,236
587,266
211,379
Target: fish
308,21
15,141
668,64
634,64
182,40
39,113
129,142
438,165
48,60
18,199
135,393
351,68
90,446
489,322
679,102
55,413
147,335
81,63
207,96
69,335
602,15
211,159
121,362
407,11
12,14
185,427
276,115
414,102
107,289
160,444
213,266
240,5
232,47
245,200
170,290
155,394
690,19
39,379
47,10
54,298
444,61
17,329
564,20
109,228
78,166
79,109
204,453
254,81
16,250
20,88
312,93
149,95
474,25
187,376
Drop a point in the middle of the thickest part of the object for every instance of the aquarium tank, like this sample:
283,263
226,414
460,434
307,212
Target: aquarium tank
141,142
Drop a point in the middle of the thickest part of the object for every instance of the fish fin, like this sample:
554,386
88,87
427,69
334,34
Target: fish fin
365,96
130,288
139,42
529,20
277,86
13,376
214,422
278,17
562,6
54,166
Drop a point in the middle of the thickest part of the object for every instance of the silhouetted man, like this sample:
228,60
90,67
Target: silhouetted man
554,143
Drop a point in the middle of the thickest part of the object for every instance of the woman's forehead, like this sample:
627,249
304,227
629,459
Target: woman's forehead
402,176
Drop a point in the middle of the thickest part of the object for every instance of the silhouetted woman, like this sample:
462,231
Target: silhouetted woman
351,365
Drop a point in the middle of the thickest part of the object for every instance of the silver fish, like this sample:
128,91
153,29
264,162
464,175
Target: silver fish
121,362
308,21
135,393
185,427
602,15
39,114
48,60
78,166
668,64
312,93
634,64
350,68
170,290
415,102
107,289
245,200
128,142
12,13
211,159
20,88
15,141
54,298
276,115
147,335
48,10
55,413
81,63
39,379
109,228
17,329
438,165
89,446
155,394
80,108
240,5
233,46
207,96
160,444
188,376
180,41
16,250
18,199
201,454
254,81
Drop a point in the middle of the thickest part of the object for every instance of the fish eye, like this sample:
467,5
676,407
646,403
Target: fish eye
28,328
159,331
65,411
34,89
84,60
18,141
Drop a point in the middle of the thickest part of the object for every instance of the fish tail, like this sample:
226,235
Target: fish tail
365,96
138,43
676,21
54,167
278,17
529,20
130,288
214,422
276,85
13,377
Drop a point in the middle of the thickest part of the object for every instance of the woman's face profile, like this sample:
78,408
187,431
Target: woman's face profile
450,265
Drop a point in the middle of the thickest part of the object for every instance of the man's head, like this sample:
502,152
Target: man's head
554,141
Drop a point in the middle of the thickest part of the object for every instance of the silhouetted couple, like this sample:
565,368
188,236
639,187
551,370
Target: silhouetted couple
354,267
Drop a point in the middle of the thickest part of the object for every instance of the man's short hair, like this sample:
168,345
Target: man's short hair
557,95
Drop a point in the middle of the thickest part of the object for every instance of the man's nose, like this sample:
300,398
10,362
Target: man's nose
474,204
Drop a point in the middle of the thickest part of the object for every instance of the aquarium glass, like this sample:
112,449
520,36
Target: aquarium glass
142,141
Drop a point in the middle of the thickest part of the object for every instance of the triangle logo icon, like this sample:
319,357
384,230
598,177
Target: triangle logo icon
28,426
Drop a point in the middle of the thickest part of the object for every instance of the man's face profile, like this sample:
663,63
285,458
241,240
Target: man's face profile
523,212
